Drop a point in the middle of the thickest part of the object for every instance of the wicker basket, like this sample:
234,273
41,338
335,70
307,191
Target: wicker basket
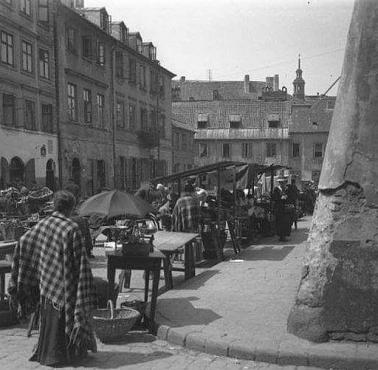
112,324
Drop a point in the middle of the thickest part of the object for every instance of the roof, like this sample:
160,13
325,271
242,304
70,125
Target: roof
313,116
182,125
227,90
257,168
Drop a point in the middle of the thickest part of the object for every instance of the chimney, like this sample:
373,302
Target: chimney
182,79
276,83
246,84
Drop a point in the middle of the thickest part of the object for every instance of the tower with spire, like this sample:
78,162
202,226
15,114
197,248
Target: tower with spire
299,83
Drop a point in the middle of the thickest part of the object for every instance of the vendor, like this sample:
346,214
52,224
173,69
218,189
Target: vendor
283,218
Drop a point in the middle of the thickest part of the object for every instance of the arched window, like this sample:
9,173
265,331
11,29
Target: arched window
50,174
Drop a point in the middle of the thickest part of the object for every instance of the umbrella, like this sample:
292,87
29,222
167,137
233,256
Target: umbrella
115,203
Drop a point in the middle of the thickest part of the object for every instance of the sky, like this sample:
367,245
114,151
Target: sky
227,39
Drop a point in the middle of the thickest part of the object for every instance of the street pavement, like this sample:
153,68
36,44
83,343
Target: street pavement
239,308
138,351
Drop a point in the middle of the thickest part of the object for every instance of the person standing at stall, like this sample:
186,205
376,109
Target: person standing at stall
283,219
186,213
292,199
51,270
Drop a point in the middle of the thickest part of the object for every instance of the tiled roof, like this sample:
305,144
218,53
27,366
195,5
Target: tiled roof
227,90
313,116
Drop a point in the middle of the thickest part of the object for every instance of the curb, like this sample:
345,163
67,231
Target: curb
348,357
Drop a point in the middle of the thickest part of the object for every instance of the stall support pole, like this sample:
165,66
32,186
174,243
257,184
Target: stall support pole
219,254
234,190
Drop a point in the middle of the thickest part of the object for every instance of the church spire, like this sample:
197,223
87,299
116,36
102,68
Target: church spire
299,83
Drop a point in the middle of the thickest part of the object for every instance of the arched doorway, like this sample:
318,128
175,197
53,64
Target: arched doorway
4,173
16,170
50,174
76,171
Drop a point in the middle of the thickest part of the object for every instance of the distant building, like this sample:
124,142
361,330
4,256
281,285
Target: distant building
235,120
183,149
28,130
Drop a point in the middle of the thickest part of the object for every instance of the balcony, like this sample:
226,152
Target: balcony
242,134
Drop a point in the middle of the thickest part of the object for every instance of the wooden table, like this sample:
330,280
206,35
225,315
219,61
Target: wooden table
169,242
149,263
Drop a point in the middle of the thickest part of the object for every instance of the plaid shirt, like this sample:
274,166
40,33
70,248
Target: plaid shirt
186,215
50,260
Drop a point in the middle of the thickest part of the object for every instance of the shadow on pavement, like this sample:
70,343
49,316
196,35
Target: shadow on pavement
117,359
188,314
139,336
198,281
267,253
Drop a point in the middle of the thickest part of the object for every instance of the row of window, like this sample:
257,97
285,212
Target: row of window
11,108
27,55
26,8
271,150
235,122
147,121
96,50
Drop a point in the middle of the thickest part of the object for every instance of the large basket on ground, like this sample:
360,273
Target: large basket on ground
112,324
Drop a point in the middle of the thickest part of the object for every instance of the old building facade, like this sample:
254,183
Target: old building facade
183,148
28,129
115,104
235,120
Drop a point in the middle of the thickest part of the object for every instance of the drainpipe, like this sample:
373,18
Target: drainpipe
112,105
57,101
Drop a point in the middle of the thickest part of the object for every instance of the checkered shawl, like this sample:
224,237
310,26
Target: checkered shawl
50,260
186,214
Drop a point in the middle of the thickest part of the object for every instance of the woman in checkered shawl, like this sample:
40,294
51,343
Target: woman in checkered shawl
51,270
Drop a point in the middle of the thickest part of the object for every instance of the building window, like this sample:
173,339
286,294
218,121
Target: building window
72,102
104,21
183,142
273,120
27,56
87,99
295,150
235,121
100,109
87,47
9,110
226,150
132,116
44,63
143,119
71,39
30,115
132,71
162,133
247,150
47,118
7,48
142,79
318,150
161,87
43,10
120,114
101,53
203,150
271,150
202,120
25,7
119,64
101,174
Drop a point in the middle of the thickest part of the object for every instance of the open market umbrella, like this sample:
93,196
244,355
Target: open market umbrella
115,203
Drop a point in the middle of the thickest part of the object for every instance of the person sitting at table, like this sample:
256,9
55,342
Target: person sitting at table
186,213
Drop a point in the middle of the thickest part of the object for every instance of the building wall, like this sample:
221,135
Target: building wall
183,149
34,146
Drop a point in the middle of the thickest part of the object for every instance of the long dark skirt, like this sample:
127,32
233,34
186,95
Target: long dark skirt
51,349
283,224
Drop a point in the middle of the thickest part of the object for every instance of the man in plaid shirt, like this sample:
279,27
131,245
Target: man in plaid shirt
186,213
51,270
